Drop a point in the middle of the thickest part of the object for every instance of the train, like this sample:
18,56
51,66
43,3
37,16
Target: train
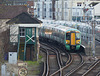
97,31
69,37
85,28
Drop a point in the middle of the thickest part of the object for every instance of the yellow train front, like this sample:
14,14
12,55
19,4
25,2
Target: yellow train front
73,40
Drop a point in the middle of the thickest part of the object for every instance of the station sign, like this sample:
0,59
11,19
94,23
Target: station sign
48,32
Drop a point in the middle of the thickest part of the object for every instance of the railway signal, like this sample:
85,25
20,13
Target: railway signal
85,10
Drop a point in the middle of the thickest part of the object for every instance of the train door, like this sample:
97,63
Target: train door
72,38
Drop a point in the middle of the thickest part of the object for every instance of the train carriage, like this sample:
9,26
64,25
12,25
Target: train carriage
68,36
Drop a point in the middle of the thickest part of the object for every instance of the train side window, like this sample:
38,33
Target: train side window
67,36
77,27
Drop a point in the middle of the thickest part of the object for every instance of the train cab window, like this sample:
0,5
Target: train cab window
77,36
67,36
77,27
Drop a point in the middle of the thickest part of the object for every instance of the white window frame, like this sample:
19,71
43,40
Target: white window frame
21,32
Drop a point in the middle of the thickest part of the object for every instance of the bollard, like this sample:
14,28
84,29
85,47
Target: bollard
8,74
3,70
13,74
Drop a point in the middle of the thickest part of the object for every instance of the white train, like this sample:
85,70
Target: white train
69,37
85,29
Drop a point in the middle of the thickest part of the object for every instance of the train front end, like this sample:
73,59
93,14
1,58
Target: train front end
72,40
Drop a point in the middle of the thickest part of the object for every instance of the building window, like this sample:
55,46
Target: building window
65,13
38,9
65,4
45,9
38,14
44,12
44,5
22,32
79,4
90,13
50,10
77,13
38,5
50,16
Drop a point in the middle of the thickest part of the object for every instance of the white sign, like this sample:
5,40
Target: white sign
12,57
22,64
22,72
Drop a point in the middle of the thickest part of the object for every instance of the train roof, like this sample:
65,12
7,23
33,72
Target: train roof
60,27
98,27
47,21
68,23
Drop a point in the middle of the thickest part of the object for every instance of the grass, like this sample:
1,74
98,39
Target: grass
34,62
40,57
34,66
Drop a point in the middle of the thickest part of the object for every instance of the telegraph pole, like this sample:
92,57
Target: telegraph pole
76,14
37,45
57,10
93,33
71,10
93,38
62,10
84,11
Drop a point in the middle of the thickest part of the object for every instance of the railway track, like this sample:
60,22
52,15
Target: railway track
46,68
98,74
85,69
93,70
68,62
79,70
75,62
71,63
53,60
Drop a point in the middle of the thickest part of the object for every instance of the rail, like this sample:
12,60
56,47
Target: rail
77,67
57,56
68,63
46,68
93,66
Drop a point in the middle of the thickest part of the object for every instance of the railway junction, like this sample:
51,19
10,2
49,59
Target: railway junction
55,60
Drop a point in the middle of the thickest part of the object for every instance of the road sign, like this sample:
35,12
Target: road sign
22,72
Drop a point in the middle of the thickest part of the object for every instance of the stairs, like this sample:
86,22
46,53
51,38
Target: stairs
21,48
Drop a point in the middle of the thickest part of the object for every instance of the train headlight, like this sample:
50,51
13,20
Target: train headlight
67,42
77,41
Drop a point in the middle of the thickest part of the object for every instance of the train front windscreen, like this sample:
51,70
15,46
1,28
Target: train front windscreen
73,38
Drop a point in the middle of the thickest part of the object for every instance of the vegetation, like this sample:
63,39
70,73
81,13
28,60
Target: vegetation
34,66
34,62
